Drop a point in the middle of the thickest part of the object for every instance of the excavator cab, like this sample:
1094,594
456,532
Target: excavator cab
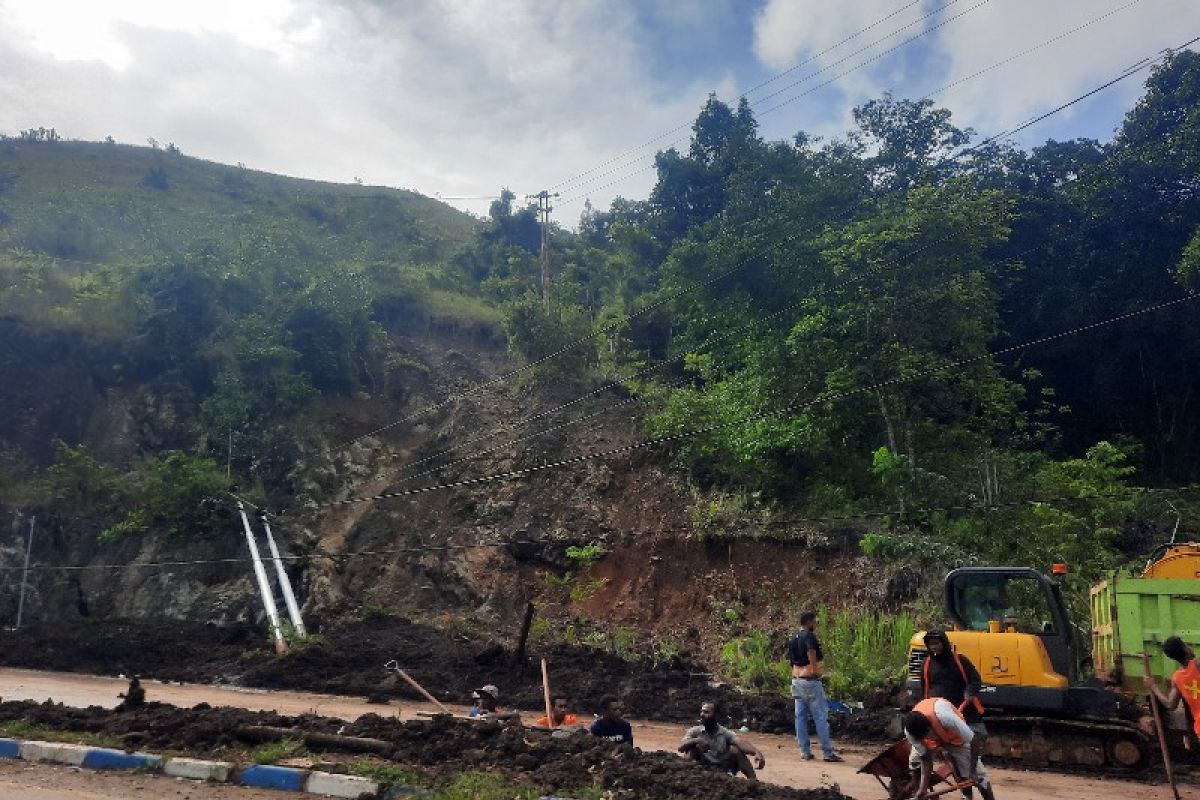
1012,623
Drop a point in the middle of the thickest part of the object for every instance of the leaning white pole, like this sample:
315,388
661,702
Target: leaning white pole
285,583
264,585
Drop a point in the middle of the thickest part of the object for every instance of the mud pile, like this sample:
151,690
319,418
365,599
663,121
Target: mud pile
350,662
440,747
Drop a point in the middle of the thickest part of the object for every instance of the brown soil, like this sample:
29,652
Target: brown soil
351,660
441,747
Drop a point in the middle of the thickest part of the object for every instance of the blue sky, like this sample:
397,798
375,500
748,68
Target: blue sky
460,97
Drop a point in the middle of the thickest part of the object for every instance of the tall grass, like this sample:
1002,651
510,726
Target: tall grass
863,650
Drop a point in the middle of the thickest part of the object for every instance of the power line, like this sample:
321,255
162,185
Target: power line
814,89
818,87
736,267
685,126
823,291
848,516
822,398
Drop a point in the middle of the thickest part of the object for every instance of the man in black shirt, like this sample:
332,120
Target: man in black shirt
807,659
949,675
611,727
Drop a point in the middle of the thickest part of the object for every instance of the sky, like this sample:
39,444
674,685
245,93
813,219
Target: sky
458,98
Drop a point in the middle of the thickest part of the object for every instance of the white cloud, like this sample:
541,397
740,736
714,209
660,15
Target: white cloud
984,34
1059,71
440,96
462,97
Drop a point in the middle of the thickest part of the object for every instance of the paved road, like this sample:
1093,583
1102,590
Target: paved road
783,766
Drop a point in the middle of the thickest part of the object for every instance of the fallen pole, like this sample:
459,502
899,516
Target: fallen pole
546,693
395,666
285,583
351,744
264,584
25,574
1158,727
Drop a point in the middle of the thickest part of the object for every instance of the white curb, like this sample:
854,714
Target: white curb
197,770
351,786
55,752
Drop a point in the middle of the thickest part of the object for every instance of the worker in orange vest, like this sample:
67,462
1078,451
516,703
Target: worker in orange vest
1185,683
936,726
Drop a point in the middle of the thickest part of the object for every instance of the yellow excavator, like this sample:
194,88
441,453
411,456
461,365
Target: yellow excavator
1045,704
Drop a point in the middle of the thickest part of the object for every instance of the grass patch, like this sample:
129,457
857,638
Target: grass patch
20,729
271,752
387,775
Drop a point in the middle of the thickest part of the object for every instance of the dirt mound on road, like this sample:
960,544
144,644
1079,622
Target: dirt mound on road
350,660
441,747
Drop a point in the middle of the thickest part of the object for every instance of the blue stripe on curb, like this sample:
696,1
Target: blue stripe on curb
10,748
104,758
266,777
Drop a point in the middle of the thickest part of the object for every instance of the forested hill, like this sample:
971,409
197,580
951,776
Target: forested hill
817,330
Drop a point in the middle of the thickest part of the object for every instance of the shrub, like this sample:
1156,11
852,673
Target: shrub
863,650
752,662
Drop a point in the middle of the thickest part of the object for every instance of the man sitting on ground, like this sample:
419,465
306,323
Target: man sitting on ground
559,717
485,706
714,745
611,726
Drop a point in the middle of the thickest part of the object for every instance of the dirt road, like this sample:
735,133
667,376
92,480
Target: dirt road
22,781
783,764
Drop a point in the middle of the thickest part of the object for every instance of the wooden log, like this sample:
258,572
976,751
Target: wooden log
523,639
328,741
546,693
393,665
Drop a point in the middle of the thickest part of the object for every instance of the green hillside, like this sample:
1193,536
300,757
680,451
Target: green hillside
80,220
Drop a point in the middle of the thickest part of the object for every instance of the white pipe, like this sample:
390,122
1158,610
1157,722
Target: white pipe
264,585
284,582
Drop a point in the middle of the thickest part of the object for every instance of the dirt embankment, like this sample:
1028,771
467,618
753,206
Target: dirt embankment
351,659
439,747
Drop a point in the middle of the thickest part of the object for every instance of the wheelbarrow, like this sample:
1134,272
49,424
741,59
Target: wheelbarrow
890,768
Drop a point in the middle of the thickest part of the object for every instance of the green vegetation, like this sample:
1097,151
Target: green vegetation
754,662
387,774
479,785
864,650
822,328
272,752
22,729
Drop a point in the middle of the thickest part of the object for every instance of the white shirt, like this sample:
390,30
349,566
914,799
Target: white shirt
951,721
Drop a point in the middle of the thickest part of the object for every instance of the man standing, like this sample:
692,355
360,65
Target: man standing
935,725
807,691
611,726
952,676
714,745
1185,683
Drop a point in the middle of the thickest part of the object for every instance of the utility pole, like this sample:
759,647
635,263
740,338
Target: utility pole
25,574
544,208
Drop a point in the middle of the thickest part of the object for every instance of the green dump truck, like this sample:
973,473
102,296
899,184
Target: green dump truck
1132,615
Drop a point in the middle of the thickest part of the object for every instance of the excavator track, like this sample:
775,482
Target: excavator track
1108,744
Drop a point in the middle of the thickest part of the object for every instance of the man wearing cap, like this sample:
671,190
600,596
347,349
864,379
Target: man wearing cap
485,705
950,675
